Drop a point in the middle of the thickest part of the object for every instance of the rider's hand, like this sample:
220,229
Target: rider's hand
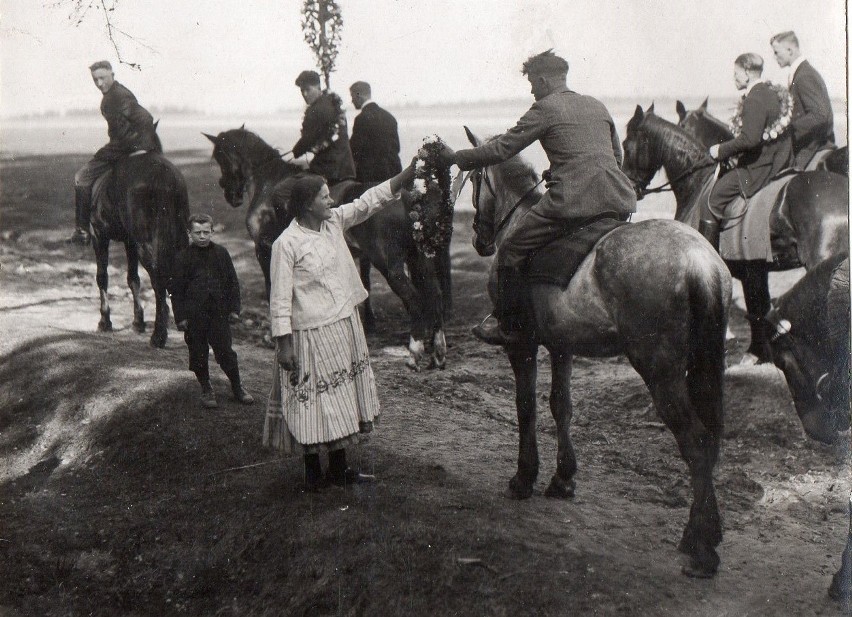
301,163
181,325
447,156
714,152
234,317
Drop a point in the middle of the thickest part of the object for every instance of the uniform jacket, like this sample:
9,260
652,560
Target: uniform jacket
759,161
200,274
332,157
129,125
375,144
581,143
813,120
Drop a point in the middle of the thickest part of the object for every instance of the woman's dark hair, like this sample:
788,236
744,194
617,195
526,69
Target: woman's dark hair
303,193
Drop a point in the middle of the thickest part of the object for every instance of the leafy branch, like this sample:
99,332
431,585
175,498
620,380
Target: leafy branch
321,24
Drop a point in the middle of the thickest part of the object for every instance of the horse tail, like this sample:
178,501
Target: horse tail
169,195
709,295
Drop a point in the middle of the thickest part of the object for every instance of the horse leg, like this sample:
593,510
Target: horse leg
522,356
562,483
101,247
402,287
133,283
699,447
367,314
754,276
161,320
263,252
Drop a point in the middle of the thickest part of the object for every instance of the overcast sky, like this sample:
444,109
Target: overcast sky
241,56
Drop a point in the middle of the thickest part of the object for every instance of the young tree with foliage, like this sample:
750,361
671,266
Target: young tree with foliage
321,23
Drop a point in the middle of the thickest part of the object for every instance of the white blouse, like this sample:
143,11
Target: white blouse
314,281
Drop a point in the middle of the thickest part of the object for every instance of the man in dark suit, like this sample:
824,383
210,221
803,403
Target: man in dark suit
759,160
813,120
578,135
324,133
375,138
130,128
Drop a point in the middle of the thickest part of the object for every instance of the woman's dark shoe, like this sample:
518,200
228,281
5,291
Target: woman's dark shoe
349,477
314,480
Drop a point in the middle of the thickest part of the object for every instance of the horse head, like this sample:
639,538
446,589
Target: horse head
642,159
702,125
234,176
498,191
809,341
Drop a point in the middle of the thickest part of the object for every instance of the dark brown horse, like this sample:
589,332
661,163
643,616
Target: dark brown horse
709,130
809,221
143,203
654,291
253,172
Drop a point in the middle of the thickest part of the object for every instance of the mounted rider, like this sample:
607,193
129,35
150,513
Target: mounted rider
584,181
762,153
324,133
130,129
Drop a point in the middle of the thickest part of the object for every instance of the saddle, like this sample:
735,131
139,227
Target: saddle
556,263
745,228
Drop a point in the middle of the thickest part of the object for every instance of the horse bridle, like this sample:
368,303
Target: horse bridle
666,186
783,332
480,175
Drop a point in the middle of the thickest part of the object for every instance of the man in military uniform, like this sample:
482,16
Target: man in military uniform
579,137
130,128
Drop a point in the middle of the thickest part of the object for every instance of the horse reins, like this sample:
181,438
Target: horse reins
668,185
476,179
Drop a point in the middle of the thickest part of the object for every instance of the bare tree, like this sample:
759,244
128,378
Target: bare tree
321,24
79,11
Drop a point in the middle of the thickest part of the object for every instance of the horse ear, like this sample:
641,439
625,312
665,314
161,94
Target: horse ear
650,109
211,138
703,106
243,127
473,139
681,110
638,114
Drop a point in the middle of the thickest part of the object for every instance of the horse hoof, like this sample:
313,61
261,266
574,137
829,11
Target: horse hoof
518,489
695,569
560,489
158,342
105,326
139,326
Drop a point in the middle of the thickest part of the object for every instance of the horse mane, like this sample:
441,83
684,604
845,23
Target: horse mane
247,145
687,149
519,178
719,124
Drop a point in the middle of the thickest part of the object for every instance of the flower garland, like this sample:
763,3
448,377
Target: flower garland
335,127
782,122
431,210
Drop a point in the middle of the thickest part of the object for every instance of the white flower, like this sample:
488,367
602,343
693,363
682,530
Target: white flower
432,139
420,186
785,121
765,136
417,225
773,133
420,164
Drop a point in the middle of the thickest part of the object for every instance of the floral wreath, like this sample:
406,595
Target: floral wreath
431,227
782,122
334,127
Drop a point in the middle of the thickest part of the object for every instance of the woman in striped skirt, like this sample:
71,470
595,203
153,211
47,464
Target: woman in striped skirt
324,392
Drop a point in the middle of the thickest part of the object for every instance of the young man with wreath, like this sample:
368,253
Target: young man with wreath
324,132
762,151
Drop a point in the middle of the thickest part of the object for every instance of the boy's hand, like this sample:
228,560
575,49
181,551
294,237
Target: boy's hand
234,317
181,325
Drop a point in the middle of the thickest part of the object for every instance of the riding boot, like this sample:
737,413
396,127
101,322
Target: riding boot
710,230
509,309
82,215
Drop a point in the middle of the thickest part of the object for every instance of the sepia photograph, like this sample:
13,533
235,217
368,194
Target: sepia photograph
424,308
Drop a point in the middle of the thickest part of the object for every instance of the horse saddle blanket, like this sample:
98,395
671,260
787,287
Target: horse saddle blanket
745,224
556,263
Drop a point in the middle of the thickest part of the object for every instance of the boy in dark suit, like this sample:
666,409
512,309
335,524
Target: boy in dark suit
813,119
375,138
205,295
